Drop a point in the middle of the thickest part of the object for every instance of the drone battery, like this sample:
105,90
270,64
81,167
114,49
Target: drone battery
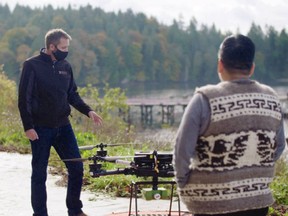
150,194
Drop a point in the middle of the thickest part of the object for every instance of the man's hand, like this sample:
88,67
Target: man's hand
95,117
31,134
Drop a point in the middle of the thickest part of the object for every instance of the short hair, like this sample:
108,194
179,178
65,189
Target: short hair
237,52
53,36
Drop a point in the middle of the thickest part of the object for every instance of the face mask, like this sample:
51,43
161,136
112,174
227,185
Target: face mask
60,55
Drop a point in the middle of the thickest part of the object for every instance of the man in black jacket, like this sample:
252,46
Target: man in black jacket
46,91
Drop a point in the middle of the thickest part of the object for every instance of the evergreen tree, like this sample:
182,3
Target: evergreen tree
127,47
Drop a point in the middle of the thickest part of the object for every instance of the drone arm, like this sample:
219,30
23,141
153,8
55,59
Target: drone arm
126,171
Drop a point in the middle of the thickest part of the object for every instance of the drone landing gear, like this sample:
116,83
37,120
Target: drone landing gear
154,183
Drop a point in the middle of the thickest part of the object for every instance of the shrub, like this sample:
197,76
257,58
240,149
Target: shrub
10,124
114,128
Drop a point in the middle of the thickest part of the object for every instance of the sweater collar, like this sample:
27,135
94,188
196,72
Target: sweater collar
243,81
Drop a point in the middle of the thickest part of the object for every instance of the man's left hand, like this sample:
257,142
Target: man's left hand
95,117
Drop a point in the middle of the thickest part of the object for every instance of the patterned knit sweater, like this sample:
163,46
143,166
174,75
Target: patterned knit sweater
234,164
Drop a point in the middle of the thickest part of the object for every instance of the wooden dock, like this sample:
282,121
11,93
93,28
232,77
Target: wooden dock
165,109
166,105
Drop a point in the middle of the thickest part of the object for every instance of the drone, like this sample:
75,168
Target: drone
145,164
154,164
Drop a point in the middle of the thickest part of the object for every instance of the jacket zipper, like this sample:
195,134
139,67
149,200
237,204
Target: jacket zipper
55,120
53,66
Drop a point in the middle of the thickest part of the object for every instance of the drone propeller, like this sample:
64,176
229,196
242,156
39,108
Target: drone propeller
101,145
76,159
114,158
107,158
87,147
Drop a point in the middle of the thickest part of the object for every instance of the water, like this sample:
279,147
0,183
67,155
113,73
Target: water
172,90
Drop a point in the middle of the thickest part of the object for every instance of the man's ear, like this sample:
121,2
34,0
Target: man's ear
252,70
220,66
52,47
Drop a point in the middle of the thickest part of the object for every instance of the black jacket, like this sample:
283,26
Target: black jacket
46,91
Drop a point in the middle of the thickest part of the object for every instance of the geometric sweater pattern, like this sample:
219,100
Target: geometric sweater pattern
234,161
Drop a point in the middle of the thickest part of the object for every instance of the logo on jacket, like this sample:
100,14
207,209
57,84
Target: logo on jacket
63,73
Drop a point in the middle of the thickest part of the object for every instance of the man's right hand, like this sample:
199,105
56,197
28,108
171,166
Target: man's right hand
31,134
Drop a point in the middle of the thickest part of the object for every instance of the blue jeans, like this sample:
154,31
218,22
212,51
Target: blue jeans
64,142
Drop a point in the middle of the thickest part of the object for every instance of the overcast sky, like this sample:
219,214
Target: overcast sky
225,14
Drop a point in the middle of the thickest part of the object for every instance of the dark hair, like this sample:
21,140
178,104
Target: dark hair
53,36
237,52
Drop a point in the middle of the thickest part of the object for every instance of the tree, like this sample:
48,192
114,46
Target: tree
59,21
282,55
128,46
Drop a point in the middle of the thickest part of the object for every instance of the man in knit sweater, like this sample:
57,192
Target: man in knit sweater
229,138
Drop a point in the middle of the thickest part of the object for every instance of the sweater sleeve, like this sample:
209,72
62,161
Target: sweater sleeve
25,96
280,141
194,122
